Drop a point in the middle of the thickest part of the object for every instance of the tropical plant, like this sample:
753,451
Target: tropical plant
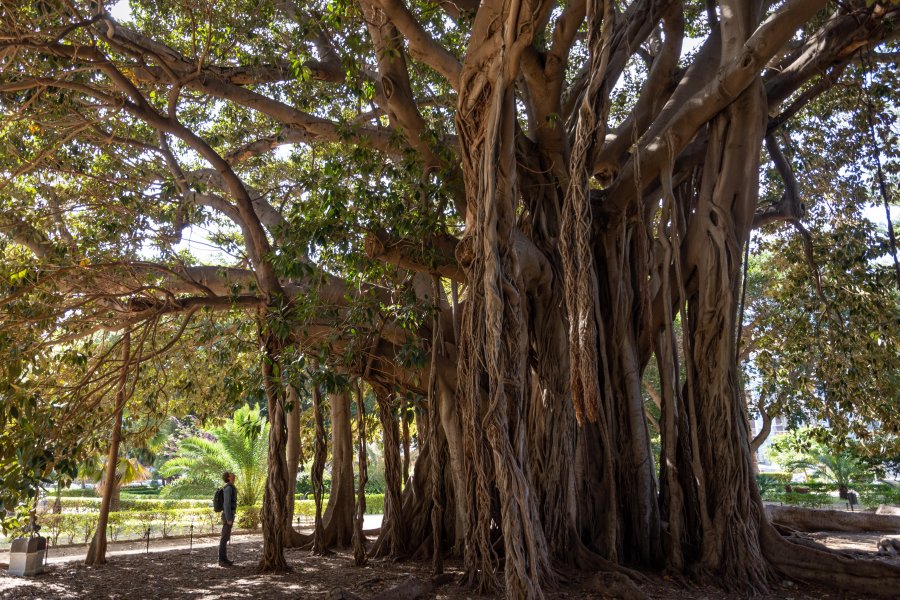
801,451
841,469
128,470
240,446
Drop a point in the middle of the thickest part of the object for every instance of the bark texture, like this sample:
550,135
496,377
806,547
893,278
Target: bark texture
97,550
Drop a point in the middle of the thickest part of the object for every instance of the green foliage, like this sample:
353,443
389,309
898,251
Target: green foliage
133,504
68,528
78,493
810,500
801,451
240,446
883,493
248,517
768,486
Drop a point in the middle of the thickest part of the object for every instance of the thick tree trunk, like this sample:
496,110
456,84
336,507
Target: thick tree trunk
624,293
116,501
275,517
731,515
454,511
393,538
97,551
404,420
337,522
493,350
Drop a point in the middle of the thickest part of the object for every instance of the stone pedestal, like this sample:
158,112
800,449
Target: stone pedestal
26,556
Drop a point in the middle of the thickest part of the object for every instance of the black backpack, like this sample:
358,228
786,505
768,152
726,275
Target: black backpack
219,500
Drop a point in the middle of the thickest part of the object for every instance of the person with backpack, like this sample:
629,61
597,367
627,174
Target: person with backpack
225,501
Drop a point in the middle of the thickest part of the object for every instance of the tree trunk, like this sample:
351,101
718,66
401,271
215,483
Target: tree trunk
97,551
116,501
57,504
404,420
731,515
275,517
393,538
292,538
320,454
359,540
337,522
493,350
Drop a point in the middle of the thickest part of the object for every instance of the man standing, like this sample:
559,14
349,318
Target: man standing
229,507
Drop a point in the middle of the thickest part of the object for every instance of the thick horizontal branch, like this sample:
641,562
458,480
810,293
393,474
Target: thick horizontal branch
433,255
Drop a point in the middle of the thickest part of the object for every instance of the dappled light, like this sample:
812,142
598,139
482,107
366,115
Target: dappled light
400,299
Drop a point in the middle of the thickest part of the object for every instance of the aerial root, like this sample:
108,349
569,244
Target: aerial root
411,589
803,562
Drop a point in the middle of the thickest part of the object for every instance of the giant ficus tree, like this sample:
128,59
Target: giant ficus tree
554,183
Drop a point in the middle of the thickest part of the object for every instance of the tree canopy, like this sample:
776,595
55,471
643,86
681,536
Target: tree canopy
501,207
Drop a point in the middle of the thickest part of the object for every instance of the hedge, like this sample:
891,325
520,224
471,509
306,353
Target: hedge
878,493
79,527
131,504
162,518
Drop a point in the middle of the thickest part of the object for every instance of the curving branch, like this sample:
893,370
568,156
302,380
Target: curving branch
732,79
421,45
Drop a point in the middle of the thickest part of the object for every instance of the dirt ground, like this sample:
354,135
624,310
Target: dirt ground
177,573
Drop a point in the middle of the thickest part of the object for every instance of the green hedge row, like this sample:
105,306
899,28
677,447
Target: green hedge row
165,521
135,492
870,494
126,504
79,527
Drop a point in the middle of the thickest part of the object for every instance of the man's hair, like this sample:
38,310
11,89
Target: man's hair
226,476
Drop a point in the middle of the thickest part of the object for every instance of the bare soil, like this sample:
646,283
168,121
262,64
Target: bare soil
172,571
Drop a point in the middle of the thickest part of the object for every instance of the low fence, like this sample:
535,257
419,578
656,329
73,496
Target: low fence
157,519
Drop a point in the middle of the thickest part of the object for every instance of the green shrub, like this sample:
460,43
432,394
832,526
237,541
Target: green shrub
305,508
132,504
78,493
875,494
374,504
819,486
141,491
248,517
304,484
810,500
769,487
777,476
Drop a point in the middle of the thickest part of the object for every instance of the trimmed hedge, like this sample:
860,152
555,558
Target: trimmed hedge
131,504
164,518
820,494
79,527
75,493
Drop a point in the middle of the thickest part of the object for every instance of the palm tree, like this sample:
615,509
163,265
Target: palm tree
240,446
839,469
128,470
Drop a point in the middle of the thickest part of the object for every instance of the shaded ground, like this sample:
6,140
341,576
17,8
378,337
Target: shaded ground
179,574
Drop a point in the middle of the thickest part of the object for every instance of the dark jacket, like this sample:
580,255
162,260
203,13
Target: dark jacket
229,505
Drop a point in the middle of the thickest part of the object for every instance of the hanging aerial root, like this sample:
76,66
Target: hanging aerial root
359,539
